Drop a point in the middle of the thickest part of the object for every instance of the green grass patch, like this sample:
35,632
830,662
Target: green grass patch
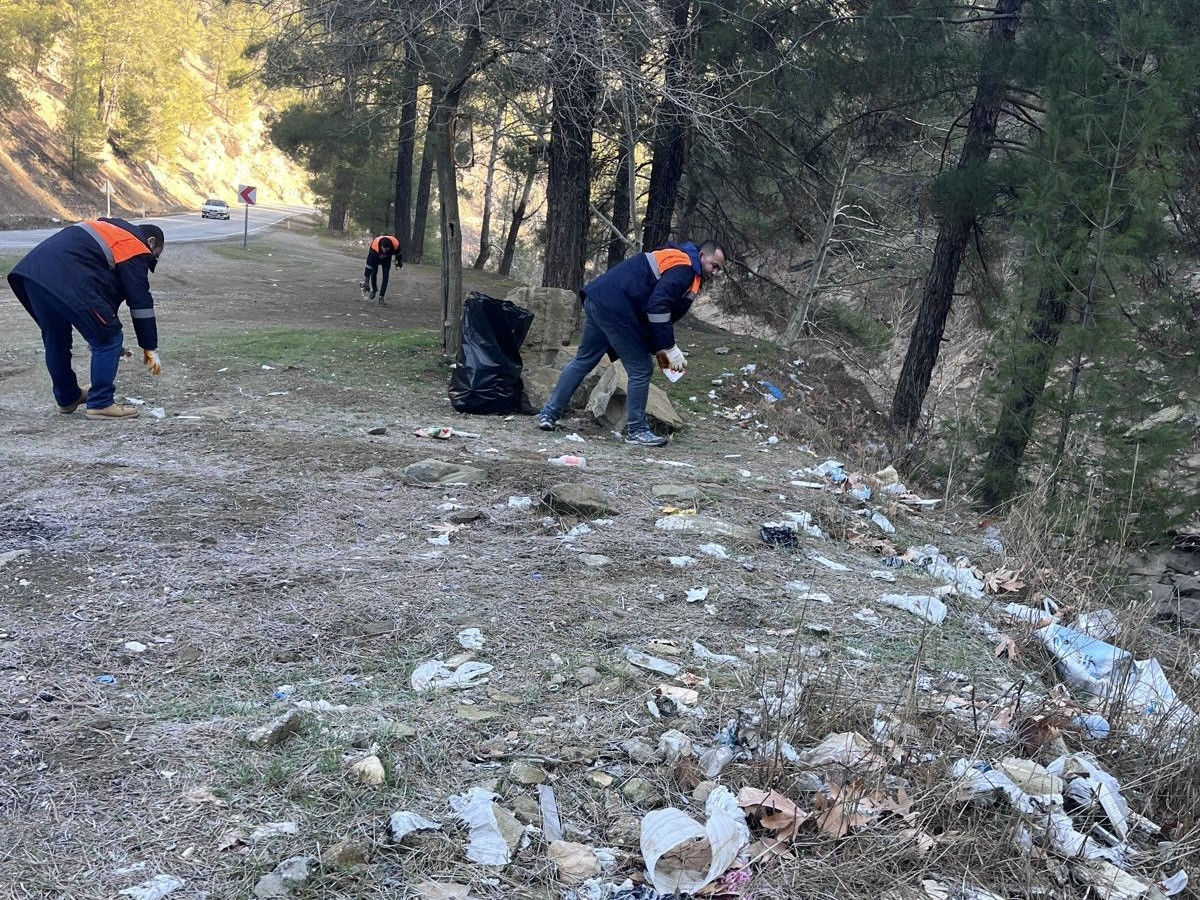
7,263
404,356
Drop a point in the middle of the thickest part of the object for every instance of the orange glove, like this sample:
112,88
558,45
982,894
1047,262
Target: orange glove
153,364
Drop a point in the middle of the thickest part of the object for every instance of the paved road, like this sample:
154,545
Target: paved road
179,229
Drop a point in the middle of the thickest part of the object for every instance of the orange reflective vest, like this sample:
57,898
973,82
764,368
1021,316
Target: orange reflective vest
661,260
117,244
375,244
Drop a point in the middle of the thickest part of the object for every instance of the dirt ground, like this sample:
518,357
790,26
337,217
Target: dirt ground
193,576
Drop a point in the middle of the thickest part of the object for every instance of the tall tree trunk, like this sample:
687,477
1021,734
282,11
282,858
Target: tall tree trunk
445,108
804,304
405,151
518,217
955,228
617,247
1021,398
339,200
424,186
570,154
670,135
489,190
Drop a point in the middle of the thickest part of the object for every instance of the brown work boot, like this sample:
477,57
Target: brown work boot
70,408
116,411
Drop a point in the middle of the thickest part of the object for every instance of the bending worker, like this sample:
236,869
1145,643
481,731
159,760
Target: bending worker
78,278
383,250
628,315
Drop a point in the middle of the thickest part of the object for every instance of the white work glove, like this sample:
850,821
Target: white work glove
676,360
153,363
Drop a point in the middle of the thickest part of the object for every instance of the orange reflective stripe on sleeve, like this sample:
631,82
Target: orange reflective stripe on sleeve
117,244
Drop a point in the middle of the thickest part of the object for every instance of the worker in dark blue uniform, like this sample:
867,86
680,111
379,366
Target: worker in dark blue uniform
384,249
78,278
629,313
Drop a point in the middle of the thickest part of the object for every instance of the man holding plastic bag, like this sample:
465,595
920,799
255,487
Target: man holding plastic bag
629,313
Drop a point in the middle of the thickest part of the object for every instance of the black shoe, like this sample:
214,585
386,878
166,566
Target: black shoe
645,439
371,296
546,423
382,302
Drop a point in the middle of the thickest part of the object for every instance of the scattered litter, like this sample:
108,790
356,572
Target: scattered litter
653,663
1175,884
715,550
136,647
921,605
683,856
883,575
157,412
106,679
773,394
831,469
702,652
681,562
154,889
442,540
433,674
574,438
868,616
272,830
520,502
1104,671
881,522
779,534
471,639
136,401
828,563
495,832
548,804
576,462
575,863
443,432
960,574
861,493
695,595
404,823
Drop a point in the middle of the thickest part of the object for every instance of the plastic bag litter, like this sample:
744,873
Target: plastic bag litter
433,674
487,374
495,832
702,652
471,639
652,663
403,823
1102,670
957,573
155,889
828,563
929,608
704,852
880,521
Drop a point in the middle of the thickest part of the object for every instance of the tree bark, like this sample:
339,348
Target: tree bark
955,228
518,217
1015,426
424,186
339,200
671,136
405,152
570,154
445,107
617,247
489,189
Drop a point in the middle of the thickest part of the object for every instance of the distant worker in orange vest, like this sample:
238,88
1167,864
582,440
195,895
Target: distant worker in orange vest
78,278
629,313
383,250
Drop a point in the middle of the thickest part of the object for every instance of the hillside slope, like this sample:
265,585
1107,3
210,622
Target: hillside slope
37,187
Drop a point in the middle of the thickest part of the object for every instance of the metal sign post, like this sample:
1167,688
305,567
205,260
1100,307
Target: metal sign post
248,196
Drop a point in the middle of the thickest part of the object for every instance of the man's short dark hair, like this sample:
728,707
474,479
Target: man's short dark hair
710,247
152,231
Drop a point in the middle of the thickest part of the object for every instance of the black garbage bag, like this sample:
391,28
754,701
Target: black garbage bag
487,375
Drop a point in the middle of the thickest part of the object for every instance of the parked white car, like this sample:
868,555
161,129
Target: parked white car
214,209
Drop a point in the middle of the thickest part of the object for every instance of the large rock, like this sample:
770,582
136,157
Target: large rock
677,493
539,382
703,526
436,471
577,500
556,317
607,403
1184,610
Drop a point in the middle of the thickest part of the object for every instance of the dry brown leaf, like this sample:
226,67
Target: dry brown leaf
1007,646
203,796
774,811
839,812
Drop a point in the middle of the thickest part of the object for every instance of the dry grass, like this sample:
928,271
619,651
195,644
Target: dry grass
273,543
